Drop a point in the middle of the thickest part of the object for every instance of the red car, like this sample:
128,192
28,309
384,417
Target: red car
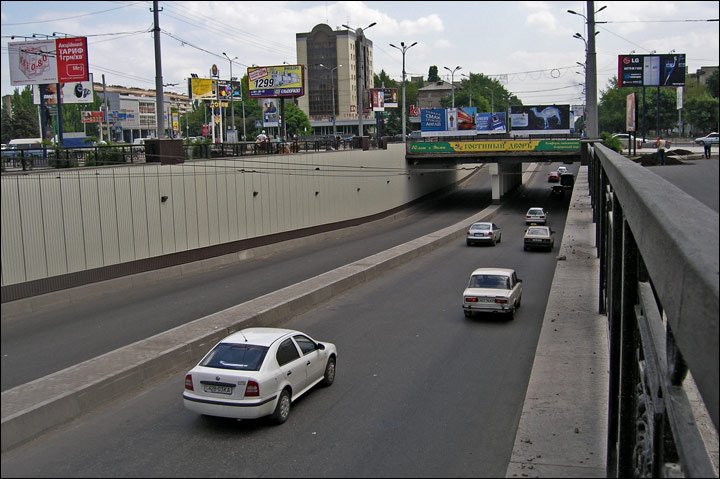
553,177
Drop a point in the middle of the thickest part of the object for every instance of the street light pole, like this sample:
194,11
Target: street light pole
403,49
232,109
591,69
332,83
452,82
360,79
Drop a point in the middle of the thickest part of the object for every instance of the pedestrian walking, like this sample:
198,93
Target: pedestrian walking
660,144
706,149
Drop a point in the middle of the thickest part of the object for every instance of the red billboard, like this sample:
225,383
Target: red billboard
72,59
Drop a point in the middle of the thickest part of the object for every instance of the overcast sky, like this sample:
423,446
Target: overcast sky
530,45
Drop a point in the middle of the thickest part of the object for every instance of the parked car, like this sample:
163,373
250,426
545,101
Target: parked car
258,372
536,215
553,177
483,232
538,237
711,139
492,290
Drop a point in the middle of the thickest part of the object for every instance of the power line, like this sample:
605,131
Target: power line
67,18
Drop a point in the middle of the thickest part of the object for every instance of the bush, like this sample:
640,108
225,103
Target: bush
612,143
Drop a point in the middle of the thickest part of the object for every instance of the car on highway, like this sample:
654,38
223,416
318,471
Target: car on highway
483,232
562,170
538,237
711,139
258,372
492,290
553,177
536,216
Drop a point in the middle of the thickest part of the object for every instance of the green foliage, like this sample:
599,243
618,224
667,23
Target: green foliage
612,143
702,113
700,110
433,74
22,122
712,84
297,123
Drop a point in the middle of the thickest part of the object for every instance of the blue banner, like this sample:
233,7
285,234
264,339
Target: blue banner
491,122
433,119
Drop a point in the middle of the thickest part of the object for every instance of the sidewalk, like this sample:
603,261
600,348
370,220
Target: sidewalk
563,426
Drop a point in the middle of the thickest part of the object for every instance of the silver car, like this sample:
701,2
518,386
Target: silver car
538,237
536,215
483,232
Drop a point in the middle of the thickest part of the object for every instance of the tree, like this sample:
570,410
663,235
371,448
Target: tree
296,122
433,74
712,84
24,122
702,113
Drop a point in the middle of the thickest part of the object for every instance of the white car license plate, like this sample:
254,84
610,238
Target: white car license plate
214,388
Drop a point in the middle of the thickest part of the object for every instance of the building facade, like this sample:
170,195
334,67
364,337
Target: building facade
346,73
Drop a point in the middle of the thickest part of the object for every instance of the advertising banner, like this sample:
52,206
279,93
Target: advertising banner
651,70
491,122
495,146
390,96
377,99
72,59
275,81
202,89
448,121
32,63
537,119
271,117
71,93
630,109
92,117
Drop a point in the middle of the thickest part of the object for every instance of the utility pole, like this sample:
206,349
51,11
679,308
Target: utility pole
159,100
403,50
591,80
107,112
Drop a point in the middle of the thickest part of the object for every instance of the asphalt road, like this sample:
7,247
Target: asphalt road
420,391
39,344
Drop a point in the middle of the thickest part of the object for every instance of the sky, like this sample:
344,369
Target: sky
528,46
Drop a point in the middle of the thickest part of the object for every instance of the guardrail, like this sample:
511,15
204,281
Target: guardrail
91,156
658,250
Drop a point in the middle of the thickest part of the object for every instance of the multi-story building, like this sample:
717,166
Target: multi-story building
346,57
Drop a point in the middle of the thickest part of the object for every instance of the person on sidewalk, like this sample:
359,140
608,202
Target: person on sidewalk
660,144
707,149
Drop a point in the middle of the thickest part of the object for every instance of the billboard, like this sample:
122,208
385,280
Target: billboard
462,121
540,119
377,99
271,117
391,97
72,59
202,89
491,122
275,81
651,70
71,93
61,60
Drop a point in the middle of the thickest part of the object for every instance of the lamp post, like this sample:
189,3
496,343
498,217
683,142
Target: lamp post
492,99
452,82
360,79
469,88
232,109
403,48
332,83
591,68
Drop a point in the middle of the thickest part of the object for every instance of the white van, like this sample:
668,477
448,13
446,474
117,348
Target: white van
25,143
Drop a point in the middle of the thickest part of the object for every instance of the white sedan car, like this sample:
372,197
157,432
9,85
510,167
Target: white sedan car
492,290
258,372
483,232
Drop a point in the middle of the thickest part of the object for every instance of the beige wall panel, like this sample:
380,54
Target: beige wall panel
152,206
90,207
125,219
212,205
138,204
191,205
167,215
222,202
75,247
53,225
201,191
177,188
11,239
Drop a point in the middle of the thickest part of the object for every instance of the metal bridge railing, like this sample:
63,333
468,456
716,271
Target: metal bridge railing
658,250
